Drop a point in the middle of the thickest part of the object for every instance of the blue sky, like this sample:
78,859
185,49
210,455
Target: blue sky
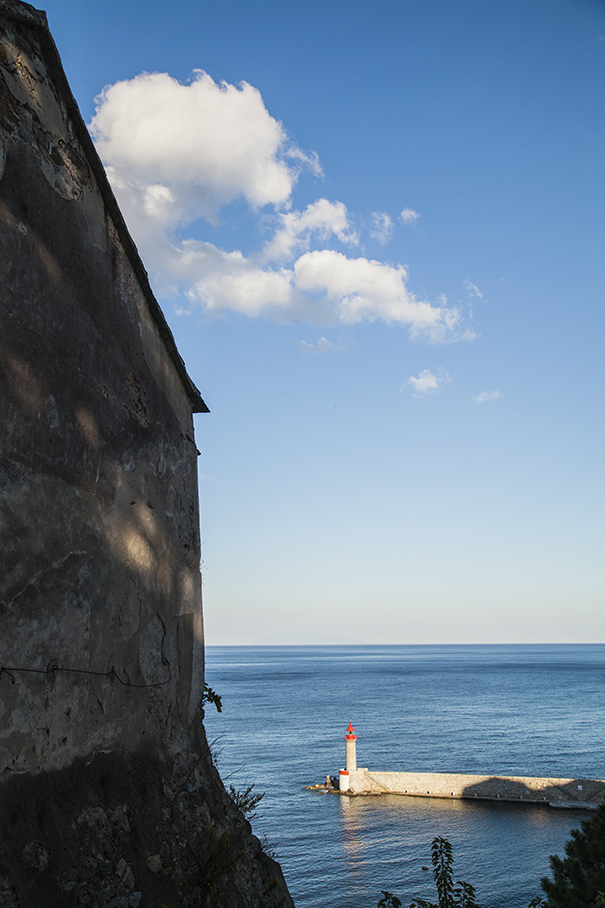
379,245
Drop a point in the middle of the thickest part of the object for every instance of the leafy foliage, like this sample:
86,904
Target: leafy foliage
246,800
389,900
450,894
579,878
211,696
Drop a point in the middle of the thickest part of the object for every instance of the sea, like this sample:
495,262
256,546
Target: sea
505,710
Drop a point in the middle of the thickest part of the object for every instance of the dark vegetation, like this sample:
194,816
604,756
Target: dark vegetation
450,894
246,799
578,879
211,696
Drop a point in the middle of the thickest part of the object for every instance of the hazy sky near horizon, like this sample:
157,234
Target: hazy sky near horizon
377,233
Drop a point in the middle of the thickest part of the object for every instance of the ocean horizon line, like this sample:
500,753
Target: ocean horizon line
356,645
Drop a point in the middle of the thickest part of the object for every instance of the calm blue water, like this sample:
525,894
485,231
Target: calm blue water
511,710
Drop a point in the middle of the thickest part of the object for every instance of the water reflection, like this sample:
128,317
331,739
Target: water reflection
351,829
354,847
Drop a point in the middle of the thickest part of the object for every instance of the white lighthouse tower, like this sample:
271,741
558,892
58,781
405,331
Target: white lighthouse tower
350,739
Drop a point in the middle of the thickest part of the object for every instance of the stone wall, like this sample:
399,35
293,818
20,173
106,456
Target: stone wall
556,792
107,789
99,514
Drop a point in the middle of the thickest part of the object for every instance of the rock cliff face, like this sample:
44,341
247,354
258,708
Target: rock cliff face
108,795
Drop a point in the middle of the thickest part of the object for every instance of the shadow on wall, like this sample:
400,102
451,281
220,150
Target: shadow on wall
565,792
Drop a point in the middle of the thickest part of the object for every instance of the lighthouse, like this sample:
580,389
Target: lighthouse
351,738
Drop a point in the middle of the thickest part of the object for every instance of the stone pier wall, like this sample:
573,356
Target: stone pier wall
556,792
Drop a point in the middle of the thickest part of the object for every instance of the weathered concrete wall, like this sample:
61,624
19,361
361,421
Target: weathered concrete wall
106,784
556,792
99,515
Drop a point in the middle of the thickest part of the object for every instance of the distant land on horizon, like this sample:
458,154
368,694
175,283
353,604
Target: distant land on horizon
295,640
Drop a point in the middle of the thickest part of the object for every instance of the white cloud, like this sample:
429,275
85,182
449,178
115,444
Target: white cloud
186,150
321,346
363,289
409,216
177,154
382,227
322,219
486,396
323,286
228,280
426,382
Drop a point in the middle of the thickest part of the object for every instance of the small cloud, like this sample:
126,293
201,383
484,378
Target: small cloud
322,219
409,216
486,396
473,291
382,227
426,382
321,346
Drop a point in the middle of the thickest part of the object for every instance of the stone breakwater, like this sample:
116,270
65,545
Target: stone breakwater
584,794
